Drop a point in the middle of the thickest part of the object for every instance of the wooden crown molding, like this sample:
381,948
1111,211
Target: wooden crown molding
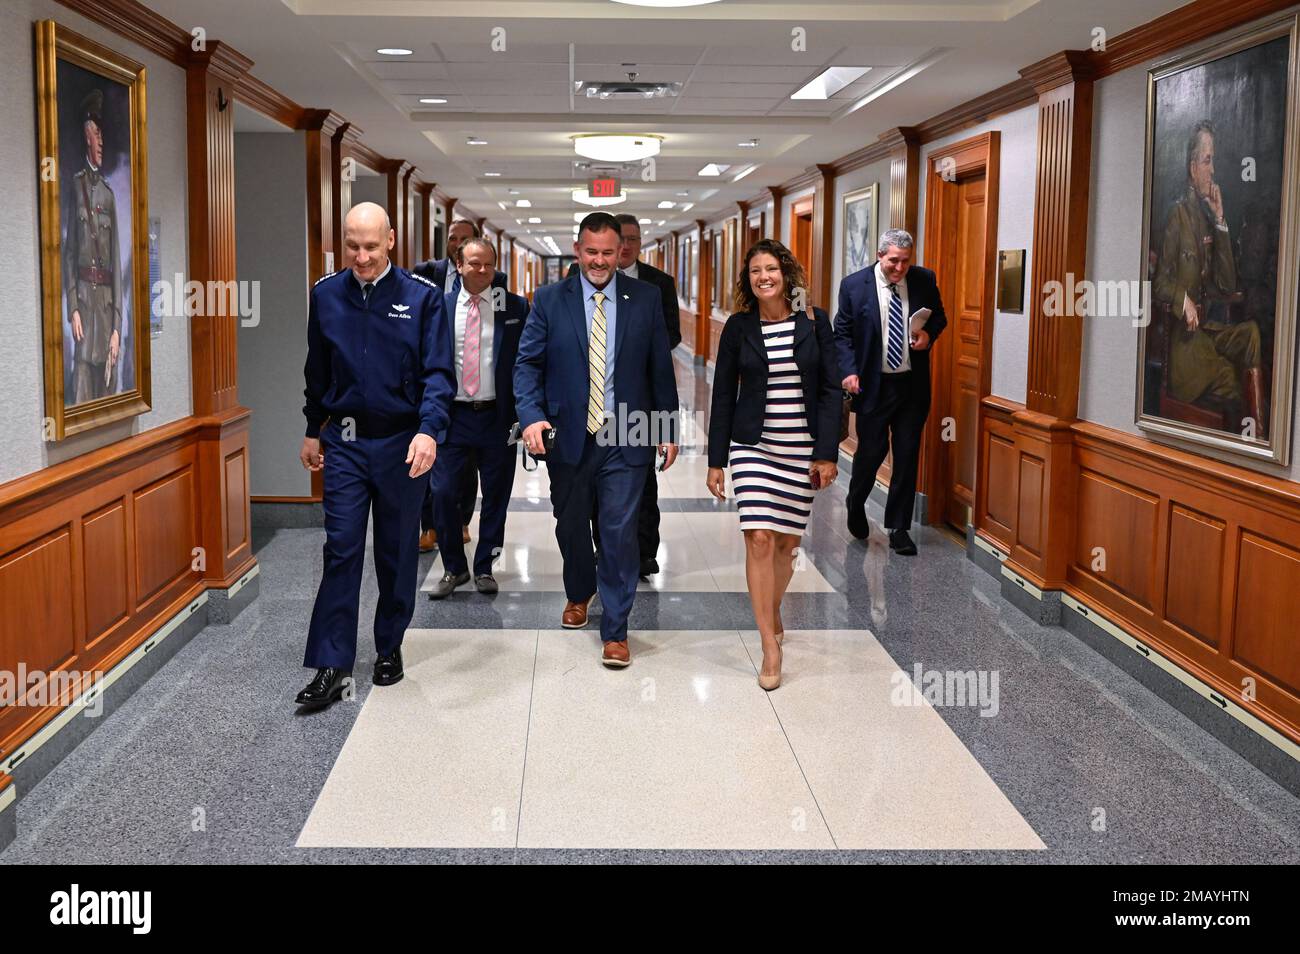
325,121
898,138
1188,24
1005,99
364,154
270,102
137,23
225,63
1060,69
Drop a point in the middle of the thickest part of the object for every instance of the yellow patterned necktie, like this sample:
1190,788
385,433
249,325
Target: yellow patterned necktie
596,365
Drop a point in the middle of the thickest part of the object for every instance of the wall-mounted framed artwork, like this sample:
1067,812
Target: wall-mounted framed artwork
1221,236
94,215
859,230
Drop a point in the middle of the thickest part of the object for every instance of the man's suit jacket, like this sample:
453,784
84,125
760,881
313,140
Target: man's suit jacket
436,272
740,384
857,330
507,326
551,370
667,293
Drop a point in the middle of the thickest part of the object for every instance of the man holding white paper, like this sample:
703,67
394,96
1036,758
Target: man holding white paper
889,314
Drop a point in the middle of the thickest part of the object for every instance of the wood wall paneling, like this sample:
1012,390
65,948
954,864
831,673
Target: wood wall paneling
104,549
38,626
1195,560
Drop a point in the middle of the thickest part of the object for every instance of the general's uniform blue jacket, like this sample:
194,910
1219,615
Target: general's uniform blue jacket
386,363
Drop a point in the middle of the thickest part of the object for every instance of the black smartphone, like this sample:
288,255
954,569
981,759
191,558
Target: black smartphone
815,477
663,459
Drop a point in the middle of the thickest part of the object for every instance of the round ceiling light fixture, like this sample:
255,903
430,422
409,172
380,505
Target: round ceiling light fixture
616,147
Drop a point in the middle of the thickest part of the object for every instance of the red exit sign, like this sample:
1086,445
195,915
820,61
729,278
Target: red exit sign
607,187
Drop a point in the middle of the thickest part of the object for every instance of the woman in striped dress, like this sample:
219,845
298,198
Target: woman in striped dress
775,420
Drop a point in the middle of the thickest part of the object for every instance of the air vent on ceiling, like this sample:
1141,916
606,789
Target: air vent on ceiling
626,89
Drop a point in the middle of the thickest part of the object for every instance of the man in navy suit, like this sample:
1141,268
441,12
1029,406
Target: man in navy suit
887,369
485,324
594,364
445,273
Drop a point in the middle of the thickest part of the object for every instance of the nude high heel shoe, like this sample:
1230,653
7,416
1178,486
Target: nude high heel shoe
768,683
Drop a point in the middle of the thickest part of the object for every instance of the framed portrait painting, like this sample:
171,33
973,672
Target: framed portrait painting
859,237
94,218
1216,352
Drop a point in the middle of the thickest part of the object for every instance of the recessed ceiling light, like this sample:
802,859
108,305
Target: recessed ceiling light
661,221
688,206
523,203
512,191
534,220
644,221
683,194
714,169
615,147
432,100
492,175
504,206
749,144
475,141
665,204
831,81
393,51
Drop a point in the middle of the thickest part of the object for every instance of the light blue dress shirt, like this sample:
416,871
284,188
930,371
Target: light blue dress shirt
610,307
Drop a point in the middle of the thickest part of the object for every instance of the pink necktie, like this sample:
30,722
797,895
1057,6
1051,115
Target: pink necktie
471,348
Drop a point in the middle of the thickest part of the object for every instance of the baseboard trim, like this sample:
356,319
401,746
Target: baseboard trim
32,761
1244,733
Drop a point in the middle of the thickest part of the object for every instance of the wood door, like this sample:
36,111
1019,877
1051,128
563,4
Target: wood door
964,353
961,237
801,227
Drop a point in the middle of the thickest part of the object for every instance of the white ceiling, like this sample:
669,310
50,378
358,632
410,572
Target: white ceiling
735,60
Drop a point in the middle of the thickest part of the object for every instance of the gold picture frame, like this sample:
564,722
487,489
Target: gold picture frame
94,241
1257,187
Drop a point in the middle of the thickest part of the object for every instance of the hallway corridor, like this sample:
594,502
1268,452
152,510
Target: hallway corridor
508,741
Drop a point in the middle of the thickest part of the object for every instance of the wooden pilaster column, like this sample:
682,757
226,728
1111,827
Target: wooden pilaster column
774,226
904,177
823,235
1045,530
398,174
221,486
705,302
344,164
320,127
424,209
407,200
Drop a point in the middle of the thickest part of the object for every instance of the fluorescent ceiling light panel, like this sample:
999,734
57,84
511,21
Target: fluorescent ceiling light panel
830,82
714,169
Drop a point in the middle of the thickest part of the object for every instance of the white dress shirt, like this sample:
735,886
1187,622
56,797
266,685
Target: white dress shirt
630,271
884,295
449,280
487,385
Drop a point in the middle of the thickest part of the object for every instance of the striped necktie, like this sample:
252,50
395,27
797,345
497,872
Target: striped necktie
596,368
894,352
470,362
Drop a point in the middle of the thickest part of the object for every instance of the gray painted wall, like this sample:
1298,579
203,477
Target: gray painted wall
21,371
1108,377
271,249
1018,163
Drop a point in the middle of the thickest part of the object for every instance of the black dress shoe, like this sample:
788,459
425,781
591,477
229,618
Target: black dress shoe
859,526
649,567
326,687
486,583
388,669
901,543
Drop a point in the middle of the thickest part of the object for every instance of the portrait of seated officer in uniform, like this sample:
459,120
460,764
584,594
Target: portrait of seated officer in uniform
1212,361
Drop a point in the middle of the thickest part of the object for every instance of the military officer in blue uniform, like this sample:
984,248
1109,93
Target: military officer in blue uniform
380,381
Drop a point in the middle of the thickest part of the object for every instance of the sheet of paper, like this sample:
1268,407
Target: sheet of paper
918,319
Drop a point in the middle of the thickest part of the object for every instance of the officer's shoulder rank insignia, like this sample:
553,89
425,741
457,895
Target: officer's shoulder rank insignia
421,278
327,275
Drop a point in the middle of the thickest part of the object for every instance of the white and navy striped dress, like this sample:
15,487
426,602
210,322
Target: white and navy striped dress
770,478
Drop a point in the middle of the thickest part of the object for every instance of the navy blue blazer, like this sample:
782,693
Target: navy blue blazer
436,272
857,329
551,371
507,325
740,384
